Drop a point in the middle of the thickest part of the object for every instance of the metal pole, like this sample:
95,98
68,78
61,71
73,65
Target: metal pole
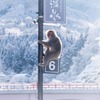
40,49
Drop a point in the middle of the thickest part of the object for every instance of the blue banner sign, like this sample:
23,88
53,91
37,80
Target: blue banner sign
55,11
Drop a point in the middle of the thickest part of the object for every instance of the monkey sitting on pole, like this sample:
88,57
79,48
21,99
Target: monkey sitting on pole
53,47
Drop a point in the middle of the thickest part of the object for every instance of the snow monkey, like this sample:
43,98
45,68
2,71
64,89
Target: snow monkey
53,47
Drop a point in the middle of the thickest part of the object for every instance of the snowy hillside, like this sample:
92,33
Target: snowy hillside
91,72
89,7
80,39
17,8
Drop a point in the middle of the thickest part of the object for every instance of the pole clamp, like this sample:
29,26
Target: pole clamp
40,16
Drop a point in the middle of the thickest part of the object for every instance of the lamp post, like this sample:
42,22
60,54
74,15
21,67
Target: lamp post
40,49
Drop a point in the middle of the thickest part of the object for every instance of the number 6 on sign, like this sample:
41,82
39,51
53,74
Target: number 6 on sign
53,67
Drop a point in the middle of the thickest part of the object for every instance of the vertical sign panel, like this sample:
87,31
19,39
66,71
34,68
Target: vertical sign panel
53,67
55,11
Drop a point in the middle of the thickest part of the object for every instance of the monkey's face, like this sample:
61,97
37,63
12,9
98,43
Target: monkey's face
50,34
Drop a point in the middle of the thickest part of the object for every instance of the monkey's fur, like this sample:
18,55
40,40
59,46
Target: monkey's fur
53,47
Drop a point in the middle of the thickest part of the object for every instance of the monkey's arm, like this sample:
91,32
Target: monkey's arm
46,44
40,41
